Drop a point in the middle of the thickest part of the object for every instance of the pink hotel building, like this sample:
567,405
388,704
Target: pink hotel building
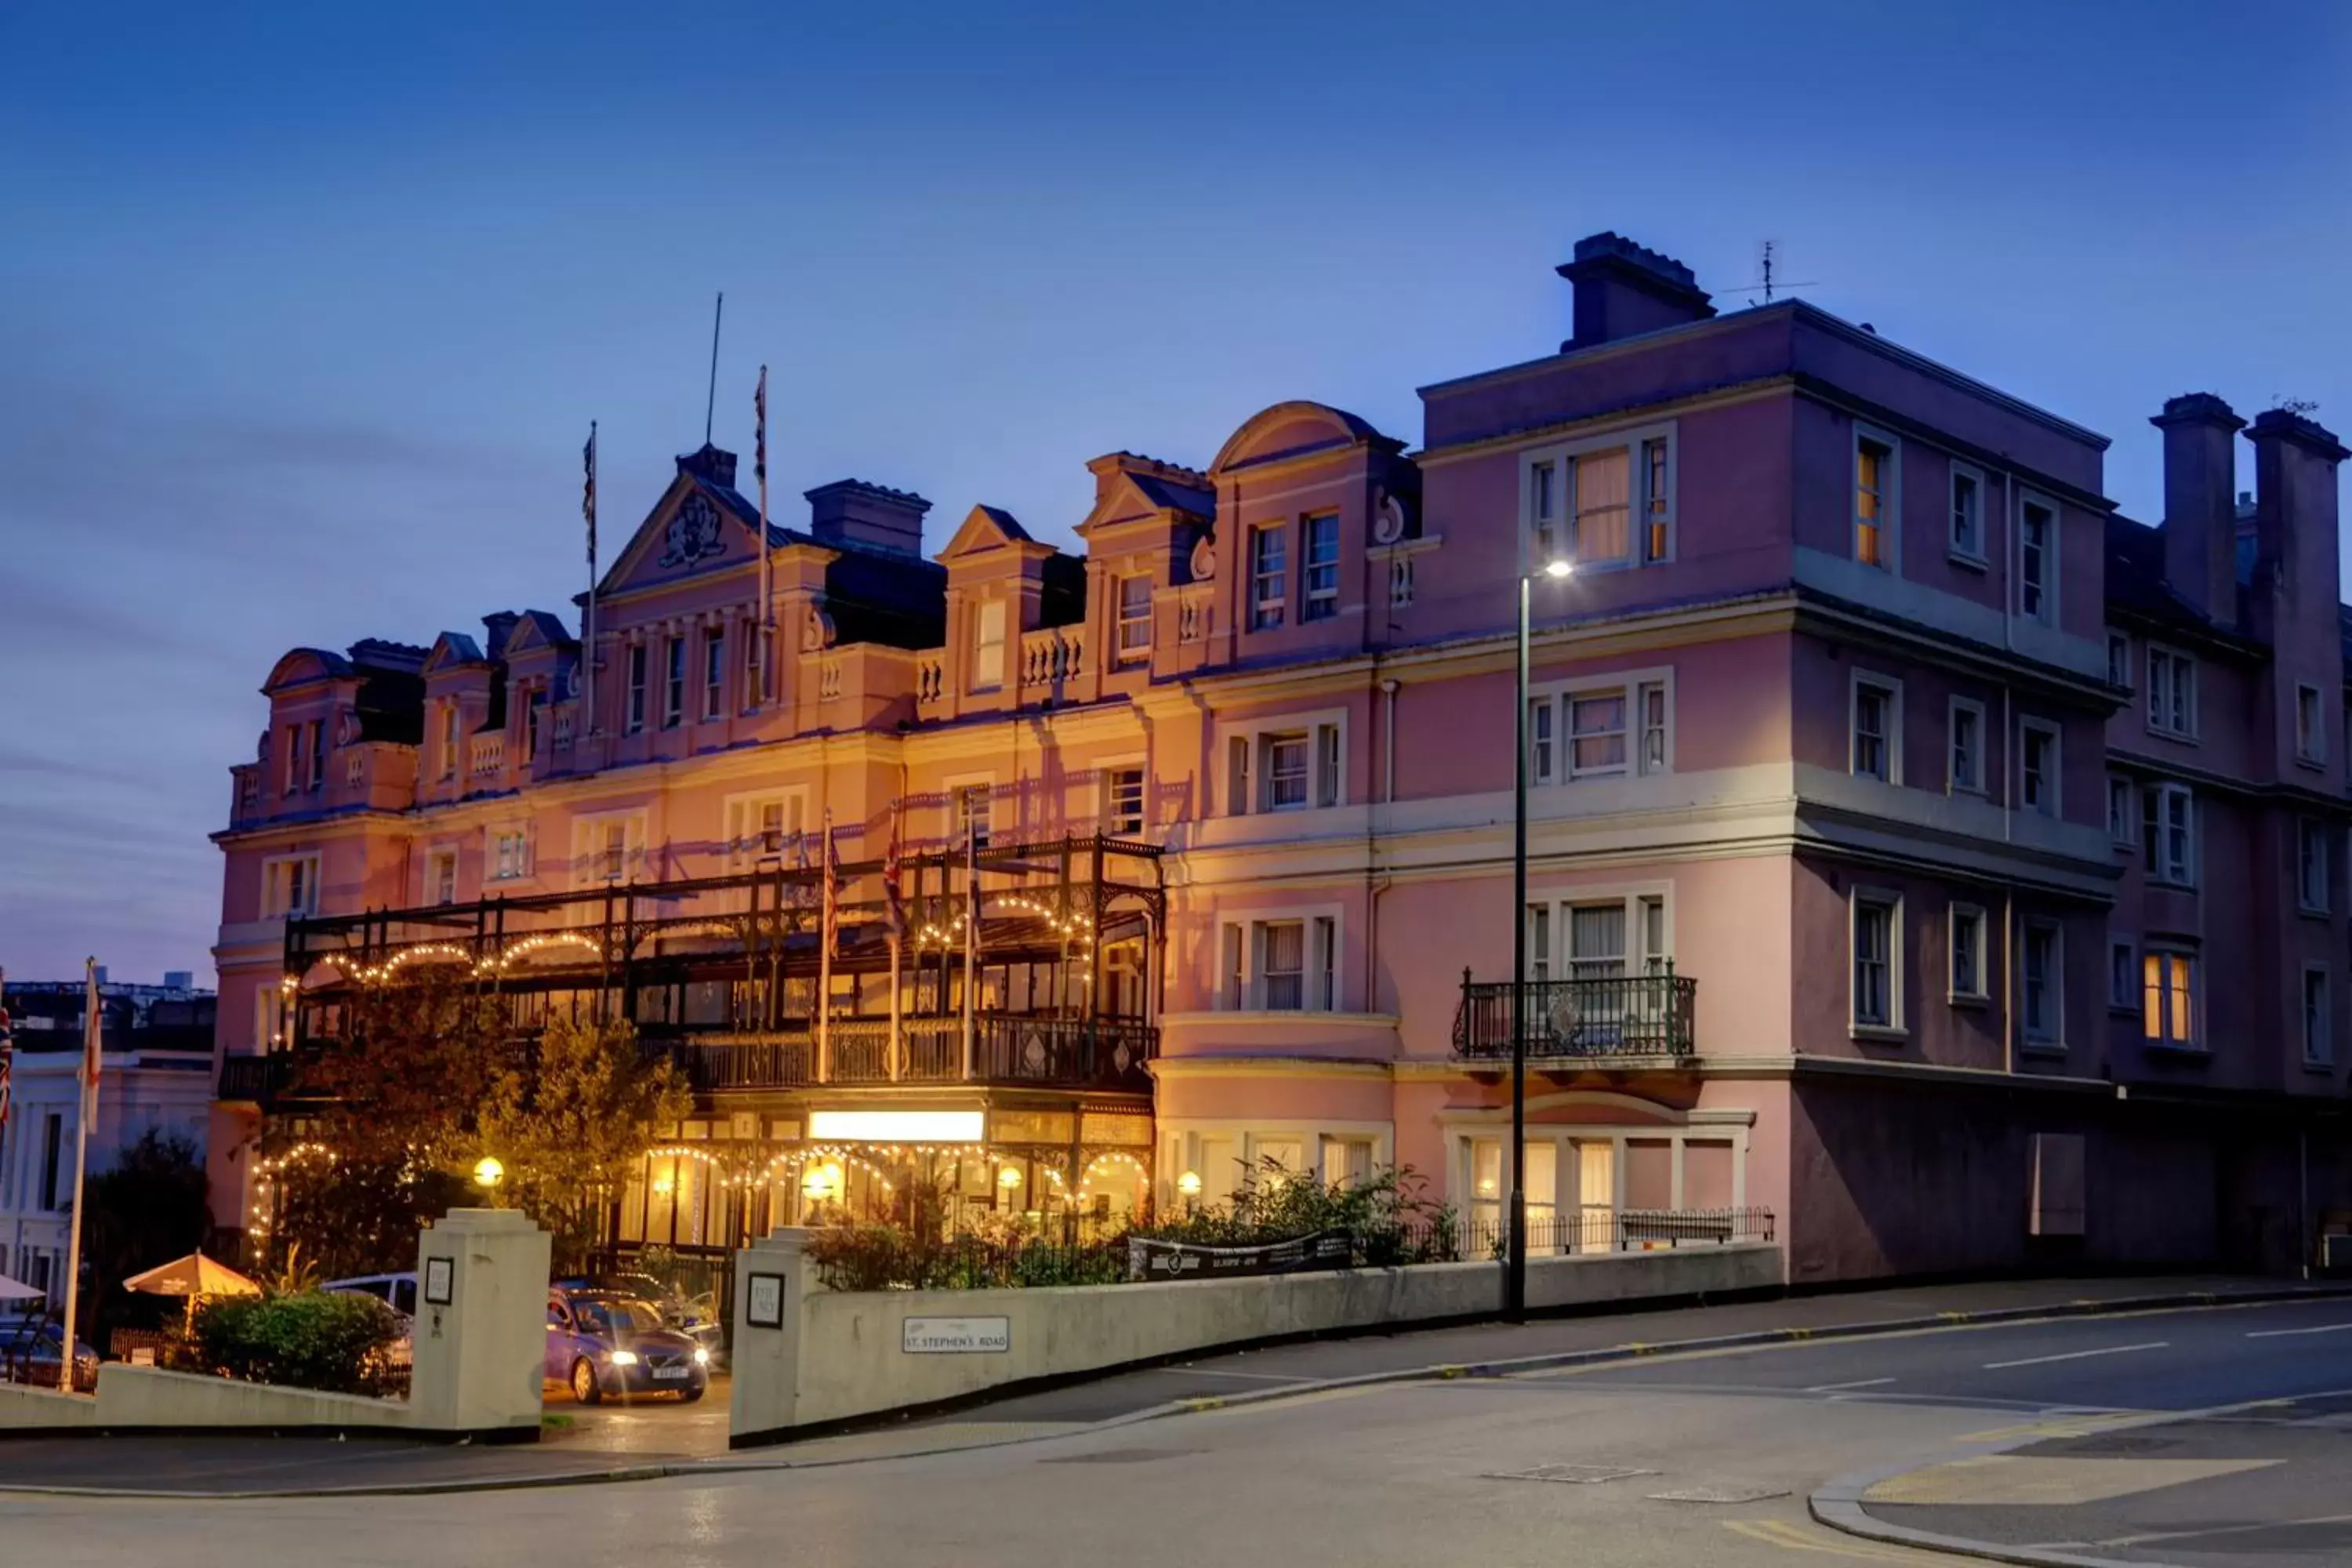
1919,850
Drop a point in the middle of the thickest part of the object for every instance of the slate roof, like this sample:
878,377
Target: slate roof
1181,498
871,593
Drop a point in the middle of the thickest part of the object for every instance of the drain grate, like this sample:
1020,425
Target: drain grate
1570,1475
1723,1494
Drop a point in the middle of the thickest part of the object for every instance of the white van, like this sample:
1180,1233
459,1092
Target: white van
397,1291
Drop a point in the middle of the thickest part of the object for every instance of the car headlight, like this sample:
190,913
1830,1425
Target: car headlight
624,1358
701,1356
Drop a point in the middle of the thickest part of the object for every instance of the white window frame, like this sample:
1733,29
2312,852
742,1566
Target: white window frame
1969,550
440,859
2128,999
2119,660
2053,1034
496,866
589,848
714,673
2172,1038
2049,586
1635,441
1890,902
2312,878
276,901
1892,739
1551,915
1244,755
2310,739
2179,679
674,680
2319,1030
1107,808
1321,990
1975,782
2161,867
2123,825
1269,588
740,817
1633,685
1966,987
1890,498
636,667
2054,808
988,643
1134,631
1317,603
954,790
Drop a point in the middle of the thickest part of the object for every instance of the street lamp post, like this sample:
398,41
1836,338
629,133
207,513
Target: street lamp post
1515,1269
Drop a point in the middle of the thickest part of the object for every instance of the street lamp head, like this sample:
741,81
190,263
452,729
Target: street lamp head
1559,567
1189,1184
488,1172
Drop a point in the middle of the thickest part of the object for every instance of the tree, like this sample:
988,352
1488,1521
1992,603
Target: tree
569,1121
373,1157
148,1209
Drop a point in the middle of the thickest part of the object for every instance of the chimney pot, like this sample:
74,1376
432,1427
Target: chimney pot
1623,288
851,511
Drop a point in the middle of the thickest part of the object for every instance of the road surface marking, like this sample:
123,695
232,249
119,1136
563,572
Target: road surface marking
2288,1333
2010,1480
2077,1355
1792,1537
1842,1387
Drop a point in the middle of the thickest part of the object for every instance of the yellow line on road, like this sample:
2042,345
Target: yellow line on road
1790,1536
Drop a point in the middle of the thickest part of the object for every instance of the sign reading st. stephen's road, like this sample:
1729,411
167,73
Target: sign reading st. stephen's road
955,1336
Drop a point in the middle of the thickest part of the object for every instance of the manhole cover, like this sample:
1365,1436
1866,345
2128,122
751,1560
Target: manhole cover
1718,1494
1120,1457
1573,1475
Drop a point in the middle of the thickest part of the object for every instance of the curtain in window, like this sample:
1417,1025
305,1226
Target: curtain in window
1604,505
1596,941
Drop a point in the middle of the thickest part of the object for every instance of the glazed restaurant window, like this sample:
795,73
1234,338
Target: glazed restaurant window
1874,501
1321,600
1269,577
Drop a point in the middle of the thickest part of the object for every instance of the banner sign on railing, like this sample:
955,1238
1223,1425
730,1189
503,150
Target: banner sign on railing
1150,1259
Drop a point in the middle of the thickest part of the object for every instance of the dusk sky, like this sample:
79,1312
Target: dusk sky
304,312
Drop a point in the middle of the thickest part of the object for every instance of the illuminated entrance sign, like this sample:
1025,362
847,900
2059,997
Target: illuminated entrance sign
896,1126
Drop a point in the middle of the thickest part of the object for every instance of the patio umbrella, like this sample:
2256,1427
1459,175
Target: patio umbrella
193,1276
17,1290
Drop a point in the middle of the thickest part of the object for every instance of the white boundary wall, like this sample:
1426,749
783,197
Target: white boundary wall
478,1356
835,1356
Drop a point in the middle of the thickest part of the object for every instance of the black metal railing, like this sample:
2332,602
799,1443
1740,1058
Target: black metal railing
1604,1015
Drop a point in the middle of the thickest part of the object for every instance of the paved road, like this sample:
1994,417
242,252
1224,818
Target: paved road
1460,1470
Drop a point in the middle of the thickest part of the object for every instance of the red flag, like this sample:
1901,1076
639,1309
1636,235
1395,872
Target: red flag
93,1021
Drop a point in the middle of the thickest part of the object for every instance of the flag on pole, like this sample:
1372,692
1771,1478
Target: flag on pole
588,489
93,1022
894,892
763,635
759,437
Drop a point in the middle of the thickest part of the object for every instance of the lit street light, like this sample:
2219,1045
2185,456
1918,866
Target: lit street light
1515,1269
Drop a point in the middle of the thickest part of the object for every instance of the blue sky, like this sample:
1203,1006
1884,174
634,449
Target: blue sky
304,311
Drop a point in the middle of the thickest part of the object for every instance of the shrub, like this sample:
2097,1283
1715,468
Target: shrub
315,1338
1389,1214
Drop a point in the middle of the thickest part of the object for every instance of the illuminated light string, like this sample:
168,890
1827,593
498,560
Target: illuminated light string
450,953
1086,1182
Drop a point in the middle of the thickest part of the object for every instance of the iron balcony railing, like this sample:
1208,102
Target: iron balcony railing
1008,1048
1602,1015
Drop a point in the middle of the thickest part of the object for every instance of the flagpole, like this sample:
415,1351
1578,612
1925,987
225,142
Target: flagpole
587,726
825,966
87,1080
971,939
894,921
763,624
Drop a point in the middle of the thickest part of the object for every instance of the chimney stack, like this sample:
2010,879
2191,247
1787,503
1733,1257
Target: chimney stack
2200,550
1622,289
2296,551
851,511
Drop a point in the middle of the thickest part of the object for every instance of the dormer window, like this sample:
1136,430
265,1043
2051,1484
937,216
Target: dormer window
1134,616
988,645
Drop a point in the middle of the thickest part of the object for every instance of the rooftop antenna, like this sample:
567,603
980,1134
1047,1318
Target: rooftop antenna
710,402
1768,256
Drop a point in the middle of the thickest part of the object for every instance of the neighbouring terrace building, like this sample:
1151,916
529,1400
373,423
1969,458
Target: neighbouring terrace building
1918,849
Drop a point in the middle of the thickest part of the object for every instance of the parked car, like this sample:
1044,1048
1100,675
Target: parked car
603,1343
699,1317
31,1351
397,1291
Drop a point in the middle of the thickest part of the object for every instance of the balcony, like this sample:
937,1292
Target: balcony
1616,1016
1008,1049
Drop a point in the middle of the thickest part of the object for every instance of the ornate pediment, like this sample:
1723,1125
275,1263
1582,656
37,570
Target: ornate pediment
695,528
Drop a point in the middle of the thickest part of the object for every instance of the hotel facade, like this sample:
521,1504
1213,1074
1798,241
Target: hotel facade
1918,850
